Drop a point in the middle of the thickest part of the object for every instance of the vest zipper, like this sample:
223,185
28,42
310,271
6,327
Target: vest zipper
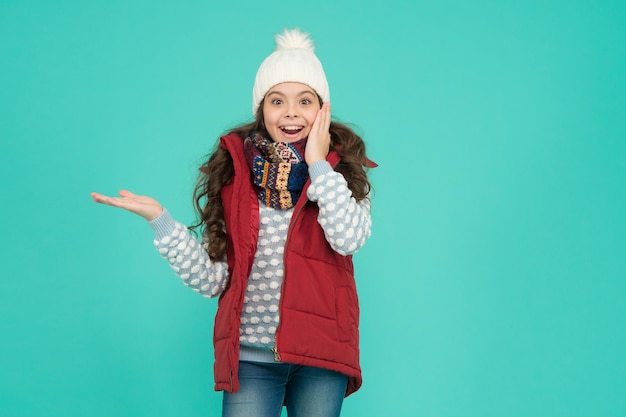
282,288
276,354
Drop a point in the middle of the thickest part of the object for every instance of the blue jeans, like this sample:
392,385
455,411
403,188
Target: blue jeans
305,390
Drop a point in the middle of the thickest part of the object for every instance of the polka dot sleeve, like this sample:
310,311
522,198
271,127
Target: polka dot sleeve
188,257
346,222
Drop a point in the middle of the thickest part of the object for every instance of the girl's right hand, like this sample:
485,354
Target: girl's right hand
144,206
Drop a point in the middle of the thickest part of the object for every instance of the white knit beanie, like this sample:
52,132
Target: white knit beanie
292,61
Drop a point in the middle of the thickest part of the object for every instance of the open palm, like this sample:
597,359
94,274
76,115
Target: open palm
144,206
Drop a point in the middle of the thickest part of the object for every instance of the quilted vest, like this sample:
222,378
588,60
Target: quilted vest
319,312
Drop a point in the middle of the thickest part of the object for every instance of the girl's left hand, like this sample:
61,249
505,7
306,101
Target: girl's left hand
319,137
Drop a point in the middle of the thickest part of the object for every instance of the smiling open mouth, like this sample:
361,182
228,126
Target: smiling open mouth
291,130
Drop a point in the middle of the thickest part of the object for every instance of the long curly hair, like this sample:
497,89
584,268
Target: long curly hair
218,170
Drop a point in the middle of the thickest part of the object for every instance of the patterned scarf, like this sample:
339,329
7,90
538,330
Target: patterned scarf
278,170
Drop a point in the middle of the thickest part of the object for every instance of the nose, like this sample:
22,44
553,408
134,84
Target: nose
291,110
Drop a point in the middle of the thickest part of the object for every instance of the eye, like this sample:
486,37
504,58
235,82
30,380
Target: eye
305,101
277,101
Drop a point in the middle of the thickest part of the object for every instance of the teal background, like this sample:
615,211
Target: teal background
495,280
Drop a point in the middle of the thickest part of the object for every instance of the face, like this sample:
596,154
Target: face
289,110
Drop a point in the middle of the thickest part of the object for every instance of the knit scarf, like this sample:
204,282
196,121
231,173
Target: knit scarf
278,170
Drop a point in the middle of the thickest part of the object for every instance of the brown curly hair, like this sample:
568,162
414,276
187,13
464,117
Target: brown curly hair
218,171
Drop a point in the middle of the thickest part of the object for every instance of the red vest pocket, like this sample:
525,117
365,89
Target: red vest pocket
343,308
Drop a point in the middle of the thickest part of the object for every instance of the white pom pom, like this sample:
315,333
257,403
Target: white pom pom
293,39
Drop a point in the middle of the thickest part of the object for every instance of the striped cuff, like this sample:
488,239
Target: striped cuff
163,225
318,169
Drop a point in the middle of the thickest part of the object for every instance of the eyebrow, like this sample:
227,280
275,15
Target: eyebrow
284,95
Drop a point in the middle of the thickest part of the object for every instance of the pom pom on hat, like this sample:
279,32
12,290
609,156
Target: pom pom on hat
292,61
293,39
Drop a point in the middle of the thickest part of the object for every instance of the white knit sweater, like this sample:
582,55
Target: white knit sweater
346,224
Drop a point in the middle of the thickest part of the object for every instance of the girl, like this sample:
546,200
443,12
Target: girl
282,205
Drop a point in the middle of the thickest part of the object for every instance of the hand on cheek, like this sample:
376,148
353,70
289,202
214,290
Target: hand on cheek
318,143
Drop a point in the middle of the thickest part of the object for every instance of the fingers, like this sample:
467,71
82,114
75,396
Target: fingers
321,125
322,121
113,201
146,207
103,199
319,137
99,198
326,117
126,193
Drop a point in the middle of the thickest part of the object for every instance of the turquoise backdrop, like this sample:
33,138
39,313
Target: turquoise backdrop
495,280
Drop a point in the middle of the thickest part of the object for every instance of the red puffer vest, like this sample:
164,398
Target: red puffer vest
319,312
